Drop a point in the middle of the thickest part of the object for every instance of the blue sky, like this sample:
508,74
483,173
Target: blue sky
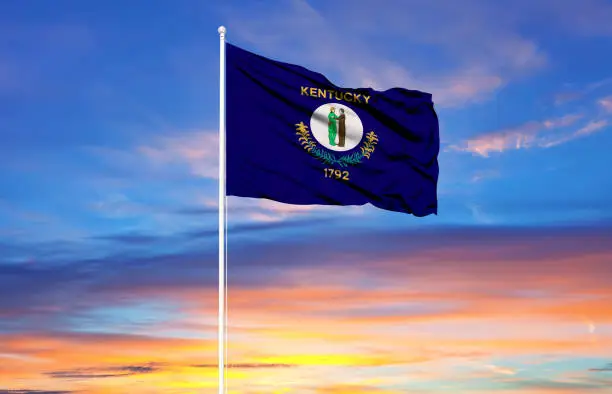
108,122
105,82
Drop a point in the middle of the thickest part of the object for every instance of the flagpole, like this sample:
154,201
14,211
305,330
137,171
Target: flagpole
222,215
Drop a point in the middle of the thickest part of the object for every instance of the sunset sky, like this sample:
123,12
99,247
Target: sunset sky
108,215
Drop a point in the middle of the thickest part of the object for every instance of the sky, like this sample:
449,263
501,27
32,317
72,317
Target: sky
108,204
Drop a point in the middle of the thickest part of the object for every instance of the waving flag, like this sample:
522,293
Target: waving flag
294,137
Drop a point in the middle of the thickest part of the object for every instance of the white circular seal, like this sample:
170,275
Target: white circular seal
336,127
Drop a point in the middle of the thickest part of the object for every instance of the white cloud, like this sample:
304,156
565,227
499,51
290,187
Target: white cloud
501,370
592,127
480,176
606,103
589,128
263,210
543,134
117,205
199,151
573,93
479,215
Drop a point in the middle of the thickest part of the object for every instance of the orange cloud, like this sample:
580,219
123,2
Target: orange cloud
73,361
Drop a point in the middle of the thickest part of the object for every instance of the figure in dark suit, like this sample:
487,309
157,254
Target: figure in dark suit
341,128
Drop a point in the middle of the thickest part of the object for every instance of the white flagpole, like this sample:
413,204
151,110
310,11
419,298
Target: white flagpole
222,215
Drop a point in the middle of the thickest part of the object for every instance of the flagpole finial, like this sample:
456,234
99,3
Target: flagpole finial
221,31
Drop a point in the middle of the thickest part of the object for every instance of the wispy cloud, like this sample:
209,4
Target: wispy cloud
118,205
501,370
479,215
606,368
589,128
566,97
273,211
197,150
264,210
529,135
606,103
247,366
102,373
576,93
187,153
480,176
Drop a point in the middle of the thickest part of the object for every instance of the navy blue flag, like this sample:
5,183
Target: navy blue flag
296,138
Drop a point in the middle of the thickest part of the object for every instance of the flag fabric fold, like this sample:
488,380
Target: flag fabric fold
294,137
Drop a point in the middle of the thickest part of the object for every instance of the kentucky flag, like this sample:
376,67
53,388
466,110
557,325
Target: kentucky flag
294,137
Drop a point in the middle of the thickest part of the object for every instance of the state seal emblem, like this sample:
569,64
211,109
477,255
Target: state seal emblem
335,135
